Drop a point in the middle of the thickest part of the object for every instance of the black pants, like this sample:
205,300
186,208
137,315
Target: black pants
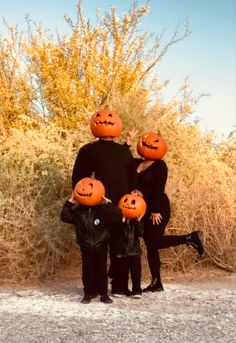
94,270
155,239
119,282
131,265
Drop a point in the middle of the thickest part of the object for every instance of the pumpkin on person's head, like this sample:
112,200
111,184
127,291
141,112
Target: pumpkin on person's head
89,191
152,146
105,123
132,206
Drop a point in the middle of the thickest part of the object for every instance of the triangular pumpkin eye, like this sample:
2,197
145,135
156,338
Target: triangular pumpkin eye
98,115
110,115
125,200
91,185
157,140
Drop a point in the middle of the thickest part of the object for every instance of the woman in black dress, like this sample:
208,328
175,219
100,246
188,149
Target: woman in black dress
152,176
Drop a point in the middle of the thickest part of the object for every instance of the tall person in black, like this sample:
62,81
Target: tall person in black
152,174
112,164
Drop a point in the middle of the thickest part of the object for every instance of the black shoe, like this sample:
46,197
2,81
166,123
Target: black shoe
137,295
86,299
155,286
94,295
120,293
193,239
106,299
127,292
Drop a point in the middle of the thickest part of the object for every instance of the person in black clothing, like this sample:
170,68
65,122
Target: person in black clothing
112,164
92,225
152,177
128,251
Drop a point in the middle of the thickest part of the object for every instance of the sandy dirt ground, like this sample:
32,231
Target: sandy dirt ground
187,311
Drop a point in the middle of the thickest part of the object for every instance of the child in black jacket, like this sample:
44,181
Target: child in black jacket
128,251
92,225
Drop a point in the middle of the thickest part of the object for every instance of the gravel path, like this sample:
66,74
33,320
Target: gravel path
184,313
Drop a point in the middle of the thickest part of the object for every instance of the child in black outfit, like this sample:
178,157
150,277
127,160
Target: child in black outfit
128,252
92,224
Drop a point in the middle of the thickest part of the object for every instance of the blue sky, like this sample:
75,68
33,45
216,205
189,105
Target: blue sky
207,57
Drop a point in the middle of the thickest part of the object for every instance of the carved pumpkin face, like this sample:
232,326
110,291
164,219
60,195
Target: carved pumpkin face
105,123
132,206
89,192
152,146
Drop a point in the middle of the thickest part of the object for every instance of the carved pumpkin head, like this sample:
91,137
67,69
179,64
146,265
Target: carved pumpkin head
105,123
89,192
152,146
132,206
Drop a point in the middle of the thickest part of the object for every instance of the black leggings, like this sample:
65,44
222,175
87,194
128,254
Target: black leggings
155,239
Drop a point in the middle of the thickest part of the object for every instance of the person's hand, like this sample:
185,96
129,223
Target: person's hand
106,200
72,198
156,218
137,192
130,136
139,218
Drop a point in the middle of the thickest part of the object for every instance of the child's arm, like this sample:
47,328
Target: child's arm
139,226
66,214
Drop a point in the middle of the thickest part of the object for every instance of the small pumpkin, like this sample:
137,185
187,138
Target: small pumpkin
132,206
152,146
105,123
89,191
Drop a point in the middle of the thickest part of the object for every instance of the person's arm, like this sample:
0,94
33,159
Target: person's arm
82,167
130,136
66,214
160,175
139,227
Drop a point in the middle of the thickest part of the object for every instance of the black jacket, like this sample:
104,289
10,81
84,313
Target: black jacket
92,224
128,243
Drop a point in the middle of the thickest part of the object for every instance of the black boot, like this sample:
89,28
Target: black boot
193,239
155,286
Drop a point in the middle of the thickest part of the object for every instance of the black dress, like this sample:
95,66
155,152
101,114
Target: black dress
151,182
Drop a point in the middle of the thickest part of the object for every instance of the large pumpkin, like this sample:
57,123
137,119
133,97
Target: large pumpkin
105,123
132,206
152,146
89,191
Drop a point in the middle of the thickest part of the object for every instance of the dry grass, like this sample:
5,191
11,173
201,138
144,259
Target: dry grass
36,167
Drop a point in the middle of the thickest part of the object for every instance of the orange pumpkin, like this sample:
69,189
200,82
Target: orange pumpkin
89,191
152,146
132,206
105,123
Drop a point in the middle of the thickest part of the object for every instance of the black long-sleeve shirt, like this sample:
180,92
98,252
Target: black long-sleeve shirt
151,182
111,163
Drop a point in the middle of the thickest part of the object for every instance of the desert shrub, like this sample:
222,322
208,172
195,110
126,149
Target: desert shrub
49,89
35,168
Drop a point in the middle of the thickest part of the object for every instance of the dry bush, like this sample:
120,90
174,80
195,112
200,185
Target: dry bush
49,88
35,168
201,182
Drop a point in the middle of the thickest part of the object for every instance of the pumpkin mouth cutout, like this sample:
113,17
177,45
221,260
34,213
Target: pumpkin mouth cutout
149,146
84,195
128,207
106,123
